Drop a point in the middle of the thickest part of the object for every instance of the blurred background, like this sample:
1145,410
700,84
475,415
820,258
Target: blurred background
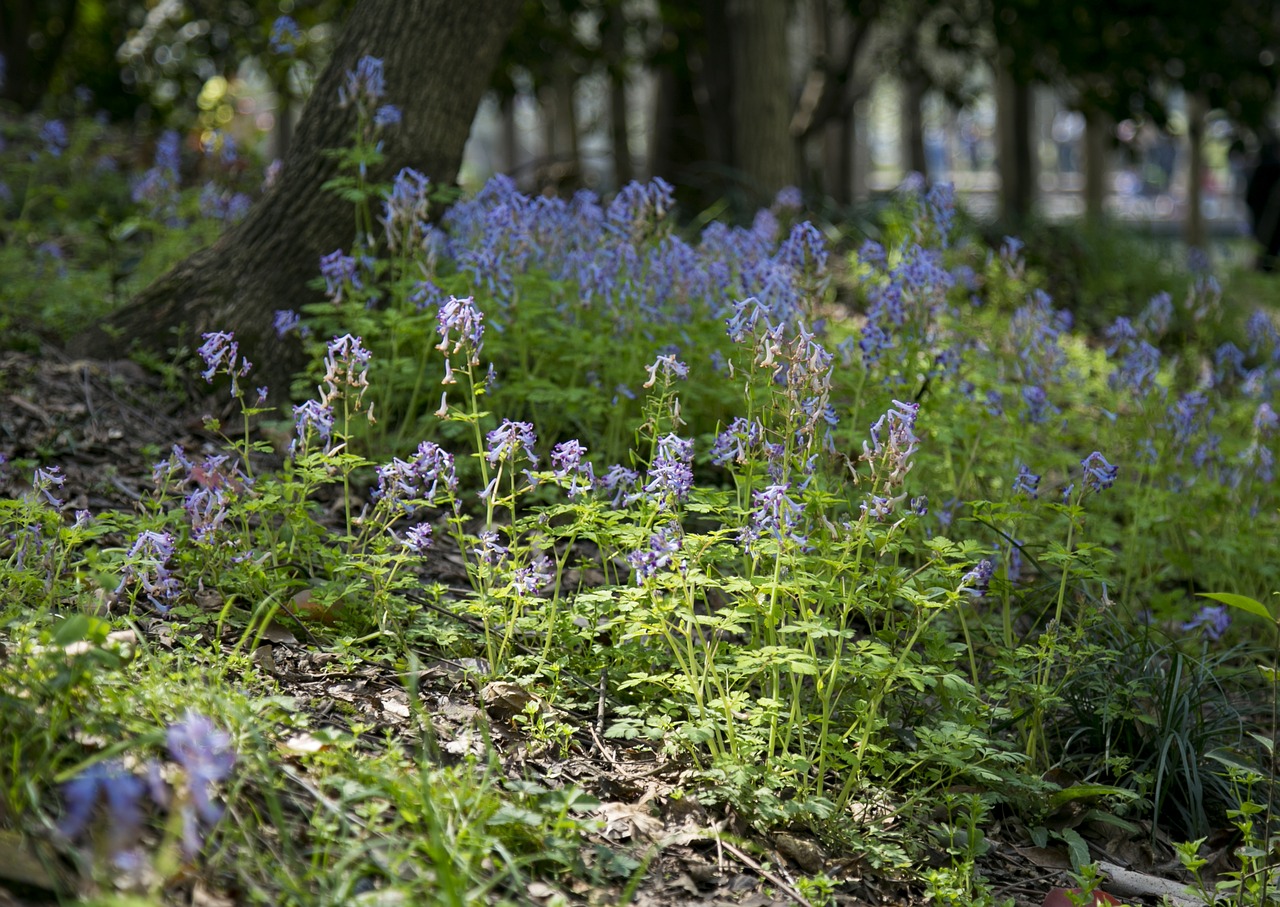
1082,109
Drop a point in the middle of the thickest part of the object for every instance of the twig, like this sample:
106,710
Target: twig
772,877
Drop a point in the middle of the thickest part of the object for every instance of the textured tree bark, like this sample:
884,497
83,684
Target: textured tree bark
29,64
763,143
913,156
437,57
615,53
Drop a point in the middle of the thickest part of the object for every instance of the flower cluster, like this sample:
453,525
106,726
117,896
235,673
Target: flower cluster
346,368
220,353
893,442
572,469
671,472
1098,473
146,564
774,513
461,315
509,440
663,546
418,478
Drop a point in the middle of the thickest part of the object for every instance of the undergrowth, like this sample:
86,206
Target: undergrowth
840,567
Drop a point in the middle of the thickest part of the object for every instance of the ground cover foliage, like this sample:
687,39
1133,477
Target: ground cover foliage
868,547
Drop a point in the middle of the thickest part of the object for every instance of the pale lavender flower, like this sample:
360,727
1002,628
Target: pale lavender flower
878,507
1213,619
568,460
489,549
736,442
363,86
669,366
339,272
207,510
776,513
620,482
977,580
346,367
1265,420
312,416
220,352
1026,482
418,538
387,115
461,315
1098,473
419,478
893,442
671,472
54,135
1157,315
663,546
45,479
205,752
509,440
285,35
123,792
147,565
534,576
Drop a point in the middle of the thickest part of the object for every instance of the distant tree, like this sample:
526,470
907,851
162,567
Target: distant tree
265,262
1122,58
33,34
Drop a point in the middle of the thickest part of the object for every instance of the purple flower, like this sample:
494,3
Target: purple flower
419,478
1098,473
489,550
205,752
879,507
1157,315
568,459
313,415
418,538
941,202
287,320
736,442
406,208
207,510
54,135
123,792
461,315
45,480
620,482
364,86
890,457
346,364
532,577
789,197
1265,420
978,580
774,513
669,366
671,472
147,565
1026,482
339,272
219,353
387,115
508,440
663,546
1214,619
285,35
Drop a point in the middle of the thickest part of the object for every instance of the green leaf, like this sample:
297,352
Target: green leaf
1243,602
1062,797
1077,849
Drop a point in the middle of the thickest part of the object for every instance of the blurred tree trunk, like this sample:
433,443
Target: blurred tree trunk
1097,145
914,159
765,150
265,262
615,33
1197,108
33,34
1017,175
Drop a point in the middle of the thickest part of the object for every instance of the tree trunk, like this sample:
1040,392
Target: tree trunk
1017,175
1097,127
264,263
761,98
914,159
615,34
32,36
1195,229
